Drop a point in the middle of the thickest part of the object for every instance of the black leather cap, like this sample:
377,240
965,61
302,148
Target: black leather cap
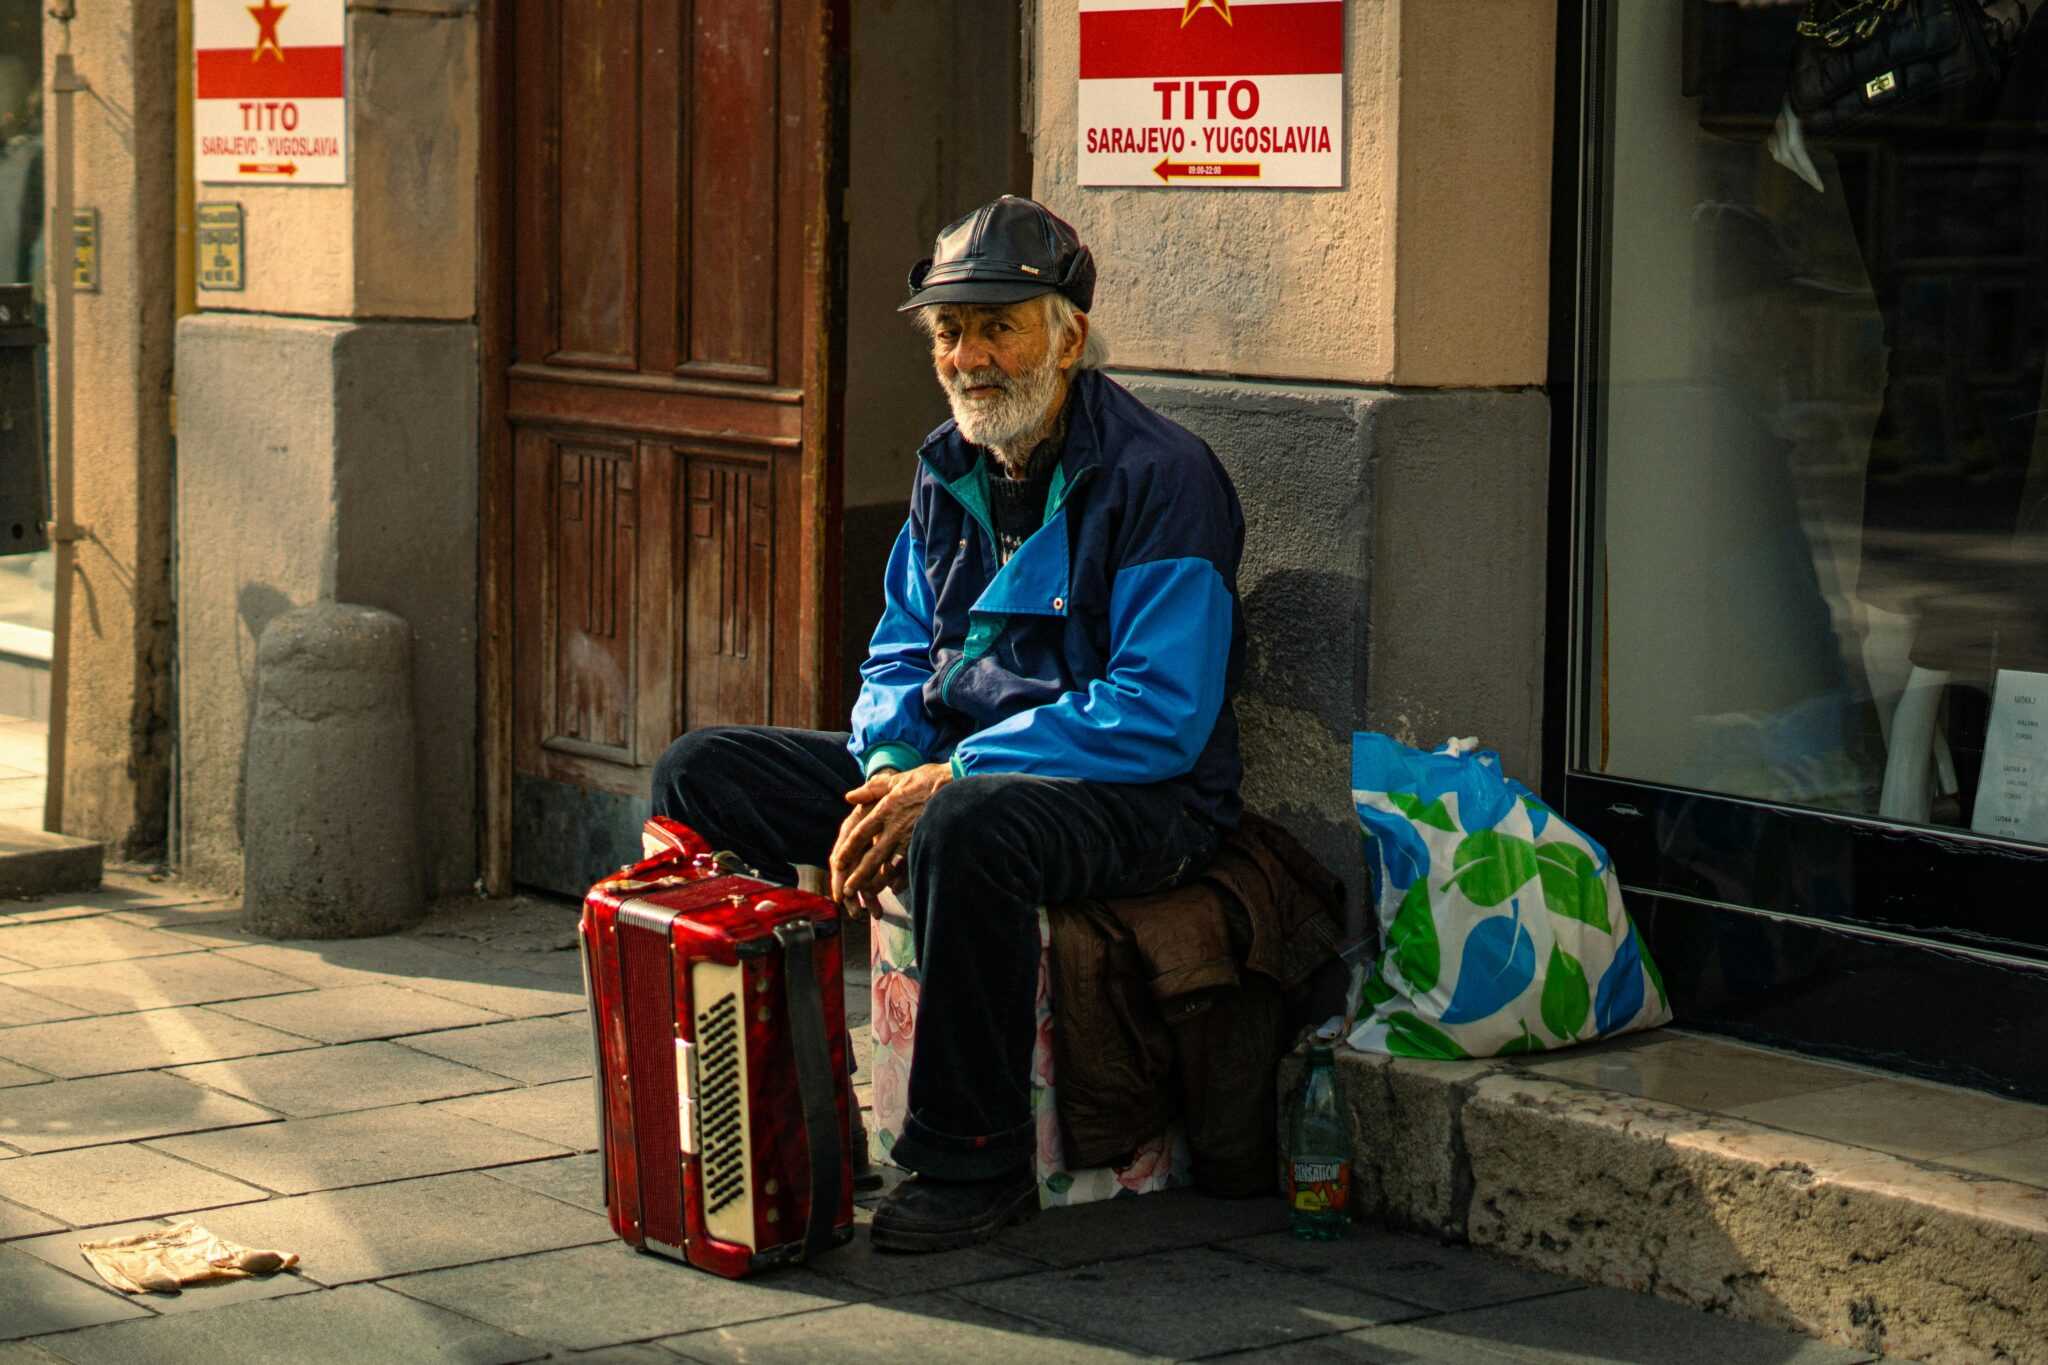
1002,252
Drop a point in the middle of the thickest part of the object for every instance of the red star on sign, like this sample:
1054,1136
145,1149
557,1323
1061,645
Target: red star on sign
266,16
1222,7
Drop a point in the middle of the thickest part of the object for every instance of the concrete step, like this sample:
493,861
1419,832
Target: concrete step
36,863
1576,1170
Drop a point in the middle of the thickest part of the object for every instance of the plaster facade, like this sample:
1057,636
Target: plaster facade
118,756
1472,214
400,239
1429,268
1288,283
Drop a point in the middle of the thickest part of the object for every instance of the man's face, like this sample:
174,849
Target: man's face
1002,367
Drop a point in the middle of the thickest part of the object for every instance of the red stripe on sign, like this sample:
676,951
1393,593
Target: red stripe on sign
1261,40
305,73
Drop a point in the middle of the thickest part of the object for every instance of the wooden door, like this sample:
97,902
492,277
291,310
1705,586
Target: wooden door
664,497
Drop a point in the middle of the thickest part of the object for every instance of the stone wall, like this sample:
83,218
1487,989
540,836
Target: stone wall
1384,586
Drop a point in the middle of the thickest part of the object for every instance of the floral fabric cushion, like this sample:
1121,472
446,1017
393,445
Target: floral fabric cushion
1161,1164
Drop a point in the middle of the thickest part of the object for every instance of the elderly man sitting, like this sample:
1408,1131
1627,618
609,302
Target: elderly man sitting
1045,709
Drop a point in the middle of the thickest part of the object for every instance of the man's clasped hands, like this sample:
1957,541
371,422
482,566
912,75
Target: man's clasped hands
872,853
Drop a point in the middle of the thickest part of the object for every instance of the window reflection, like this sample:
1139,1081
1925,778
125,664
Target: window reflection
1819,532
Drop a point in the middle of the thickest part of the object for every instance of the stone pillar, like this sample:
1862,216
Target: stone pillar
118,750
1367,362
328,430
332,848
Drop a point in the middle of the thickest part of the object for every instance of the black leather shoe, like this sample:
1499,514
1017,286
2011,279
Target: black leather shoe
923,1214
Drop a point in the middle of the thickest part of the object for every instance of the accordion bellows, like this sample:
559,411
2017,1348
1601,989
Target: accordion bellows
718,1016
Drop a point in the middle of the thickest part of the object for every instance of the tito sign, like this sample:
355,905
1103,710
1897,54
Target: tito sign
270,84
1210,93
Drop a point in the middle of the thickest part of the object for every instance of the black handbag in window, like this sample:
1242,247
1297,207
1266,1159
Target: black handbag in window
1878,67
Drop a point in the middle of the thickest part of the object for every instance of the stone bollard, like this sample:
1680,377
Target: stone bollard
330,843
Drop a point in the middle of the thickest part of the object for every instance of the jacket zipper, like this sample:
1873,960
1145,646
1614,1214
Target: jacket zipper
1065,494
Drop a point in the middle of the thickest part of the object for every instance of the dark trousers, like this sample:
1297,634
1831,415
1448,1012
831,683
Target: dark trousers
986,854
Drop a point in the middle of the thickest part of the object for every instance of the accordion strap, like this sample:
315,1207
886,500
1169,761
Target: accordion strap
823,1132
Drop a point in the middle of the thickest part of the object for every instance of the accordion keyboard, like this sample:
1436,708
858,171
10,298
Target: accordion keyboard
724,1148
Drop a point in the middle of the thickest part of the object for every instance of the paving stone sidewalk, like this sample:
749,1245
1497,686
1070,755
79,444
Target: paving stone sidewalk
413,1116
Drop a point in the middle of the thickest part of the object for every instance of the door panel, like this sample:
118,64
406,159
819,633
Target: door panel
595,575
594,108
592,649
730,572
732,214
665,380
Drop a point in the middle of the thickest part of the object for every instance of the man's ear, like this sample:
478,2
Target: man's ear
1076,341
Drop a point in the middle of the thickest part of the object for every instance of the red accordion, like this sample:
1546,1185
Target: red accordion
718,1013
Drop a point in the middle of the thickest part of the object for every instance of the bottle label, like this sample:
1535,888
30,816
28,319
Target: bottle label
1321,1186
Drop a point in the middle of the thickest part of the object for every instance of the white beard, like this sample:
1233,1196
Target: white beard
1005,422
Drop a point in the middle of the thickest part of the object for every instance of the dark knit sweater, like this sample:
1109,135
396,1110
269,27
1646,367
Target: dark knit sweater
1017,506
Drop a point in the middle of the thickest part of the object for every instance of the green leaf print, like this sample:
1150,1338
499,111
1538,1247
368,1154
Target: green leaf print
1572,885
1528,1042
1408,1036
1059,1182
1650,970
1492,866
887,1139
1432,813
1411,939
1377,991
1566,1000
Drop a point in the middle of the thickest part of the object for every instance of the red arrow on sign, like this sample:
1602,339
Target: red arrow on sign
270,168
1206,170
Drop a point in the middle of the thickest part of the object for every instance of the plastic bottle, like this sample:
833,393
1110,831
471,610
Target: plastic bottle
1319,1154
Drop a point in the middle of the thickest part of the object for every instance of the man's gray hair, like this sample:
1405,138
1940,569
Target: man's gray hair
1059,317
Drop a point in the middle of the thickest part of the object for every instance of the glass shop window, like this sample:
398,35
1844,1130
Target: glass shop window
1815,528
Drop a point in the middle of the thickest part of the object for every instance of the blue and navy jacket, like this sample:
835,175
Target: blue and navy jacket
1109,645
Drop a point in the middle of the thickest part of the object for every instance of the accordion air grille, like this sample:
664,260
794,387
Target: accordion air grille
722,1114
